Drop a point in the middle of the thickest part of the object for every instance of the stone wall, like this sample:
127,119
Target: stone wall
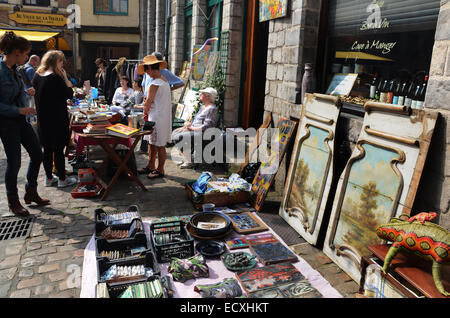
434,192
176,38
233,21
292,42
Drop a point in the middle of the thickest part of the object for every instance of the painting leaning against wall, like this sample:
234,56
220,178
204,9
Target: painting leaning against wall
369,197
272,9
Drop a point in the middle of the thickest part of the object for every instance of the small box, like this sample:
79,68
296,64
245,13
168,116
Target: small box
87,189
86,175
218,198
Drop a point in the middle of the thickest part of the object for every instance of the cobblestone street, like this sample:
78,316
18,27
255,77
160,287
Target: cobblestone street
49,262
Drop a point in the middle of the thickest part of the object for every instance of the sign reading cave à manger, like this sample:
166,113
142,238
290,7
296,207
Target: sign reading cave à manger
38,18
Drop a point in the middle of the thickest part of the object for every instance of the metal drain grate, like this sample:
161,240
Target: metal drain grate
14,228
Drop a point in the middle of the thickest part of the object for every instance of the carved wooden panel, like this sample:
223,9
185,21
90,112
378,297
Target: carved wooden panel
379,181
311,170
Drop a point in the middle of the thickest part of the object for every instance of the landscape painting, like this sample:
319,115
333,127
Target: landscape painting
272,9
370,195
310,174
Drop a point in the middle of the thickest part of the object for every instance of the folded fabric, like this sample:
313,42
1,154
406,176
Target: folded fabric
201,184
233,184
186,269
229,288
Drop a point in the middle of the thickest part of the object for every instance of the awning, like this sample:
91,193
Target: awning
32,35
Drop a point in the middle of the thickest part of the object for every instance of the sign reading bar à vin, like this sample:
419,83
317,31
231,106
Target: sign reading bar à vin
389,39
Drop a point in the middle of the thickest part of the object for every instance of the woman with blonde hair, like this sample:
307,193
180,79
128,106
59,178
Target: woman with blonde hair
53,88
15,131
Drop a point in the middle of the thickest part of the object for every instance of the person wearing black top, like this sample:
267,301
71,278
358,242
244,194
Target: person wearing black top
53,88
15,131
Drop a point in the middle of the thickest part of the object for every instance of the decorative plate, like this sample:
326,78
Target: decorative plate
211,248
227,261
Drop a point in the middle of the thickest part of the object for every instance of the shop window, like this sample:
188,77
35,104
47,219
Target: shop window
388,43
42,3
188,31
111,7
214,26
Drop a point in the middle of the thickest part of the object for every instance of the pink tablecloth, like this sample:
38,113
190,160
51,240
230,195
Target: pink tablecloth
217,272
82,142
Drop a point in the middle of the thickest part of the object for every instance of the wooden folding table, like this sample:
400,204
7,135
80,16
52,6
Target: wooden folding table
110,148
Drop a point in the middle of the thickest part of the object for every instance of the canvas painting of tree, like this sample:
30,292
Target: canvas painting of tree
310,173
369,197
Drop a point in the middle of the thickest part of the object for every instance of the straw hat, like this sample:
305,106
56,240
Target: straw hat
149,60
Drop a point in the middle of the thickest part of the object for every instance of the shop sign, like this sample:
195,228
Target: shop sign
57,20
374,20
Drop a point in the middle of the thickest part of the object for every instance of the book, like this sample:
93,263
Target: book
272,253
121,130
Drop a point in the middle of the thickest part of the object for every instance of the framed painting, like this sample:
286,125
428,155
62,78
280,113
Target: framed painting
245,223
379,182
272,9
311,170
269,167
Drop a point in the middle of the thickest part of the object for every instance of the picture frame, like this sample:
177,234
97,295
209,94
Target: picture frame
266,172
272,9
246,223
310,173
342,84
380,180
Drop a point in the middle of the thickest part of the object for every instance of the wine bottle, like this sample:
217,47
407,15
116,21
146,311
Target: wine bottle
396,93
409,94
383,92
373,86
415,97
390,92
401,94
378,90
421,97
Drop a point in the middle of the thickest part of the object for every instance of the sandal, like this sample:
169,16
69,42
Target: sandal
145,170
155,174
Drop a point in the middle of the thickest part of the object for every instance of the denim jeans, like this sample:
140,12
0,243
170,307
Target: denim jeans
15,132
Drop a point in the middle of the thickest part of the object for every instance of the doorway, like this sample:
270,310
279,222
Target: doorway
254,67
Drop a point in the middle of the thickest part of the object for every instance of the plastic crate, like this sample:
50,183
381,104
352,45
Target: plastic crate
165,251
100,227
149,261
123,245
99,214
116,291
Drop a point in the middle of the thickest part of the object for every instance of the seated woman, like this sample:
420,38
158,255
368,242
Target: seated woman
205,118
137,97
121,94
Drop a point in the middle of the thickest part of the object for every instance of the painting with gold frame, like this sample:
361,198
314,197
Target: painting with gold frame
380,180
311,171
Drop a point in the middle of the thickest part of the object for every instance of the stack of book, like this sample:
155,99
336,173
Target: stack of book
97,125
121,130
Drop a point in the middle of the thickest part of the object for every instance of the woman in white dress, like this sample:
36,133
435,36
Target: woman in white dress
157,108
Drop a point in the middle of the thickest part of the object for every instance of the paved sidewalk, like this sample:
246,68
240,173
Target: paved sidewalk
49,262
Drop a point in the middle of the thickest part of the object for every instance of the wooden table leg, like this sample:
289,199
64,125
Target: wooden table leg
122,166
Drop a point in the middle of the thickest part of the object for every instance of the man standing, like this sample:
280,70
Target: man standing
28,71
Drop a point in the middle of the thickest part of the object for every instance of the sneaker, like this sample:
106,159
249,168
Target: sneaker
187,165
67,182
51,182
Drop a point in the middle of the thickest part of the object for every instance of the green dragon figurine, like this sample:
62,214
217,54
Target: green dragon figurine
426,239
